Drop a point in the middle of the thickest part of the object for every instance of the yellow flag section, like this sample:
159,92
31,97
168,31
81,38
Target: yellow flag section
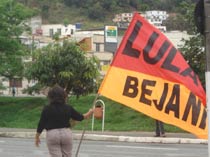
149,74
157,98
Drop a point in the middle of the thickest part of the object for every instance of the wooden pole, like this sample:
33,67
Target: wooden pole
83,132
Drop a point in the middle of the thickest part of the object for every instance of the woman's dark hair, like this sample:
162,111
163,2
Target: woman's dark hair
57,95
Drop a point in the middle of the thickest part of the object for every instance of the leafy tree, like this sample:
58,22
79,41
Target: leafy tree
193,51
2,87
65,65
12,16
177,21
134,3
77,3
96,12
109,5
167,5
45,11
123,3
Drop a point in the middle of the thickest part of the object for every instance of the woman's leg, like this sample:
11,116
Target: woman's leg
53,143
66,142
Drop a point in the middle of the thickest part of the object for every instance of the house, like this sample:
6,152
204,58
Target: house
123,17
155,17
122,20
62,30
49,30
97,43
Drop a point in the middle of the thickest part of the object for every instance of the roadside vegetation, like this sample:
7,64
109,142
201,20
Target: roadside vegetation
24,112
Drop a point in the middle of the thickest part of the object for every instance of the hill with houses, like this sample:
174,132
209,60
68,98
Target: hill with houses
95,14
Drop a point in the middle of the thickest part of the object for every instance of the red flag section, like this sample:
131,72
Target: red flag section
150,75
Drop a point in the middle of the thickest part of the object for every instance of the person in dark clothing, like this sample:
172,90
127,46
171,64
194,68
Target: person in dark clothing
13,91
55,118
159,129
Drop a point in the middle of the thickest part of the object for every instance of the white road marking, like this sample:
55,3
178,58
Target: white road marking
178,155
2,141
135,147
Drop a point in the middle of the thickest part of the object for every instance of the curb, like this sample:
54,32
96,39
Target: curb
96,137
163,140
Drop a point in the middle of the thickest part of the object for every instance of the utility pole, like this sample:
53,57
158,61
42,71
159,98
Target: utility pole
207,49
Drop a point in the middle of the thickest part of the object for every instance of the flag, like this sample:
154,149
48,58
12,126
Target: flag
149,75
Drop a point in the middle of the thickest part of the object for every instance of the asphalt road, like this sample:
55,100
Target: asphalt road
24,147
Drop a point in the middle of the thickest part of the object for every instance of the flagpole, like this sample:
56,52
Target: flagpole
83,132
207,74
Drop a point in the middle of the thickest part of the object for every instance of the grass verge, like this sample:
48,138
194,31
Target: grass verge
24,112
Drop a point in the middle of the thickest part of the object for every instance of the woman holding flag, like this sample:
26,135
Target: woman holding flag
55,118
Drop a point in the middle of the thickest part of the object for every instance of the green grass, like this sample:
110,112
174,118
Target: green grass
17,112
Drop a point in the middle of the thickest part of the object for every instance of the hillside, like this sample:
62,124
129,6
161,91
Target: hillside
93,13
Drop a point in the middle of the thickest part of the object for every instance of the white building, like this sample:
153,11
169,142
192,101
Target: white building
156,17
51,29
123,17
176,37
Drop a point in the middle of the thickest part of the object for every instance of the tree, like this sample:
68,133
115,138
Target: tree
96,12
65,65
193,52
12,16
109,5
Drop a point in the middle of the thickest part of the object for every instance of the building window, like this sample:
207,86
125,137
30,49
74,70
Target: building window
97,47
107,62
15,82
51,33
59,31
72,31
